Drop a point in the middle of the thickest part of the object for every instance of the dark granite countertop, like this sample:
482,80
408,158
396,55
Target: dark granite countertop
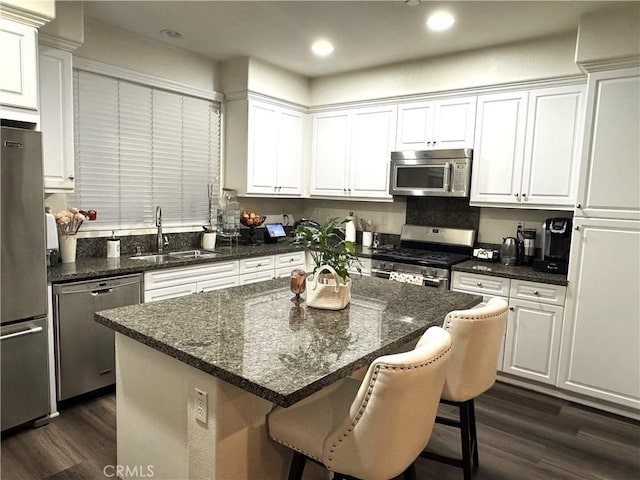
254,337
87,268
518,272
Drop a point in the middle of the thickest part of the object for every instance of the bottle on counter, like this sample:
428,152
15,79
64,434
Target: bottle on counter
350,229
228,213
113,246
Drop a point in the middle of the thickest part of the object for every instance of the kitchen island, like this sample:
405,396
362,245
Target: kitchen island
247,348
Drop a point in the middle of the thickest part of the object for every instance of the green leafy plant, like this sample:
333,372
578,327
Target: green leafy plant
327,246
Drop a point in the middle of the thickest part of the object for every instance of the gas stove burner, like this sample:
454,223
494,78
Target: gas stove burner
425,258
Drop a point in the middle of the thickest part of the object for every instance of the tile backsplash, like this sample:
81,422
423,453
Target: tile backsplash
442,212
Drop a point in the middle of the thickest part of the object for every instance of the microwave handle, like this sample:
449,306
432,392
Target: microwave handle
447,177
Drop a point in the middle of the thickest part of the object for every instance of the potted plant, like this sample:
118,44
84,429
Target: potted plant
330,283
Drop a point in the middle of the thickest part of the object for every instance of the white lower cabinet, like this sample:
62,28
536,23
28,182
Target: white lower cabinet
285,262
181,281
532,345
601,338
256,269
536,311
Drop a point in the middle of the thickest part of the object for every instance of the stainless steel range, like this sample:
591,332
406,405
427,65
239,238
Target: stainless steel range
427,252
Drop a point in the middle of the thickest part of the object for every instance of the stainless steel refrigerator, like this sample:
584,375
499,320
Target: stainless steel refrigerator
23,292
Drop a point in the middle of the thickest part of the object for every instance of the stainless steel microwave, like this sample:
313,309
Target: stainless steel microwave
436,173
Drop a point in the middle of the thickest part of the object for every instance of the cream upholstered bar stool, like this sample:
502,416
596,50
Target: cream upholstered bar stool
476,337
373,429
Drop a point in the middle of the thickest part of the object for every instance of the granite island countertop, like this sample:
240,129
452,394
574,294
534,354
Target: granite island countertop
256,338
518,272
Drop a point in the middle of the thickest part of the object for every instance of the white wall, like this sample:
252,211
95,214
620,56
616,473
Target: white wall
277,82
496,223
121,48
68,24
517,62
610,35
44,8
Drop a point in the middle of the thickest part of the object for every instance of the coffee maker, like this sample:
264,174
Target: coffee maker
528,238
556,240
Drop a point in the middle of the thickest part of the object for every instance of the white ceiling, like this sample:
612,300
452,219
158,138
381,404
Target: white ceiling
365,33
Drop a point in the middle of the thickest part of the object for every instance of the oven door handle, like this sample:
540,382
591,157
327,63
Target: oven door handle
435,282
381,273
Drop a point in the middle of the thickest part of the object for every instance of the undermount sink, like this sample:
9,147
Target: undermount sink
184,255
152,257
193,254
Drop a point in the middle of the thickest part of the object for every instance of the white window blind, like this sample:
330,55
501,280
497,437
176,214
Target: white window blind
138,147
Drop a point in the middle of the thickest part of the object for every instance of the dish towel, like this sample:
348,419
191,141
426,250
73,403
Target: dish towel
406,278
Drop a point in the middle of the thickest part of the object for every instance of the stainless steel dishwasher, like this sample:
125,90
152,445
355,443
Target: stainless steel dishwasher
85,350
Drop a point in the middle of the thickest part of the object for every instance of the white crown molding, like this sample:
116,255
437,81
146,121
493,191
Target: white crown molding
460,92
250,94
93,66
577,79
610,64
20,15
57,42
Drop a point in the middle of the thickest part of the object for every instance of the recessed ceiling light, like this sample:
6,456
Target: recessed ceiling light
172,34
412,3
322,48
440,21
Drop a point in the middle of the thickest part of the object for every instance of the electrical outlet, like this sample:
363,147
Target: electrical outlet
520,226
201,406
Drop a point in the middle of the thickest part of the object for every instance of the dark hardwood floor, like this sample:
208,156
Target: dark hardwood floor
522,435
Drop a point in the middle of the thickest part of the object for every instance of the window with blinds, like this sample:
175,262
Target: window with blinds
137,147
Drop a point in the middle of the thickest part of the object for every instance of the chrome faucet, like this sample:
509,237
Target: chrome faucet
161,241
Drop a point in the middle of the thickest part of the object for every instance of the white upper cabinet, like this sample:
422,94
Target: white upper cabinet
552,147
56,117
498,150
527,148
275,158
330,153
351,152
610,171
266,148
18,81
439,124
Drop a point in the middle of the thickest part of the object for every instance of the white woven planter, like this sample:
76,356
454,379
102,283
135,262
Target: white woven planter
334,295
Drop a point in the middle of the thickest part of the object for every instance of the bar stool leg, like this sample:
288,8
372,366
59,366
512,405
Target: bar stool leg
465,436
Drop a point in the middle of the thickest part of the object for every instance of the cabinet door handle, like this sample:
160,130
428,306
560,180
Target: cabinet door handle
479,284
71,177
524,194
516,195
535,292
511,308
577,227
579,205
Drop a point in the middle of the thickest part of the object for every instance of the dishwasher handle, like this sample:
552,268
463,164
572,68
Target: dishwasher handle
21,333
104,291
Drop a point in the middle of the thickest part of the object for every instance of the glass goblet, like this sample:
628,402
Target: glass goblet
298,284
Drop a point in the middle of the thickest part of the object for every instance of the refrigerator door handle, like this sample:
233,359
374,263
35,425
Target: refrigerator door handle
21,333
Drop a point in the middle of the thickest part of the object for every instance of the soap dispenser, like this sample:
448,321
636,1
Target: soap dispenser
113,246
350,229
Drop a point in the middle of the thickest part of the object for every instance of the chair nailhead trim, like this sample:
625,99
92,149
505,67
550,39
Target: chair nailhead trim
466,317
374,377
